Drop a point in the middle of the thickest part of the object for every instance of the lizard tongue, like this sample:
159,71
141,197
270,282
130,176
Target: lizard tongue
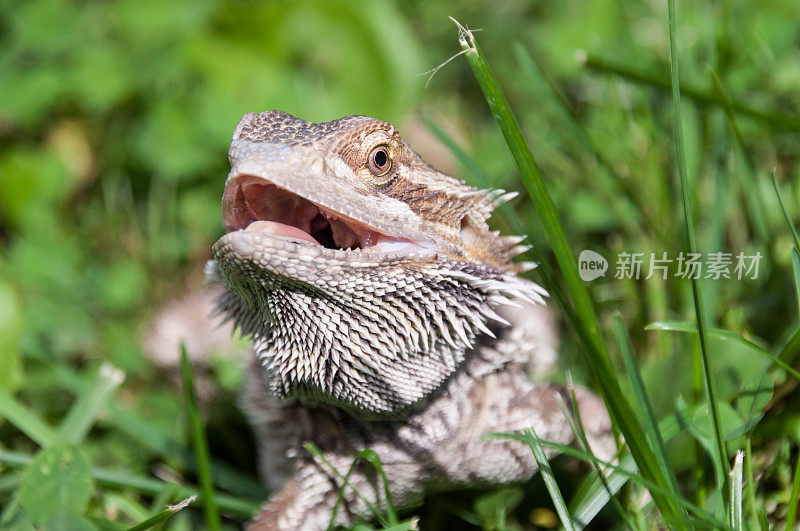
280,229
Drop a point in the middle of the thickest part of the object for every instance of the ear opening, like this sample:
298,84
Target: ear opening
475,235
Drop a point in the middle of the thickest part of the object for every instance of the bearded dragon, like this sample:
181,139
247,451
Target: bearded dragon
385,314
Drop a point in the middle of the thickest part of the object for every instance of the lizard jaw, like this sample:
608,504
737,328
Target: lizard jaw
254,204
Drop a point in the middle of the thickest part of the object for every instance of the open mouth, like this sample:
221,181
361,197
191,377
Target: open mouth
254,204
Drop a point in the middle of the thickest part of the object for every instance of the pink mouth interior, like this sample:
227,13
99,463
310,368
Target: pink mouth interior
254,204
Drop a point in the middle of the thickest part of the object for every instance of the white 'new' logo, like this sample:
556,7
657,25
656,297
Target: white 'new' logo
591,265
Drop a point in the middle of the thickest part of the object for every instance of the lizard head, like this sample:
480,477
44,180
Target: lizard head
362,273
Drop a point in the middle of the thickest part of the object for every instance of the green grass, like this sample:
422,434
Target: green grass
597,358
644,441
635,127
199,444
162,515
549,478
721,453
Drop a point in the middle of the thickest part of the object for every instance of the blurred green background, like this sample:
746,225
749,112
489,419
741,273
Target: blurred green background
115,118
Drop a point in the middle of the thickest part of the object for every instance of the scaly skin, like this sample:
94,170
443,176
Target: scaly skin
414,342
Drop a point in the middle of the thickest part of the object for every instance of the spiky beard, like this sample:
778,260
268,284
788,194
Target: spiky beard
376,340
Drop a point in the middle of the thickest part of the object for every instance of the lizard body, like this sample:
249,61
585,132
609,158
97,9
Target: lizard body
385,315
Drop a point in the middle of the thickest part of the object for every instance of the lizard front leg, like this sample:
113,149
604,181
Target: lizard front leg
502,402
309,497
438,448
306,487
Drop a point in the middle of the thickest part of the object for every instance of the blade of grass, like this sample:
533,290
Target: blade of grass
638,508
164,444
411,524
162,515
507,217
84,412
200,445
10,510
162,500
373,459
170,449
549,479
786,215
167,494
778,120
720,457
790,350
316,452
510,219
791,508
792,346
26,421
143,485
533,181
715,237
762,520
587,326
458,510
636,478
724,334
736,491
796,270
9,481
753,197
643,401
591,496
500,519
750,486
576,424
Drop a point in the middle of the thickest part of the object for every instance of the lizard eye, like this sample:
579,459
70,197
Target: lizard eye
379,161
